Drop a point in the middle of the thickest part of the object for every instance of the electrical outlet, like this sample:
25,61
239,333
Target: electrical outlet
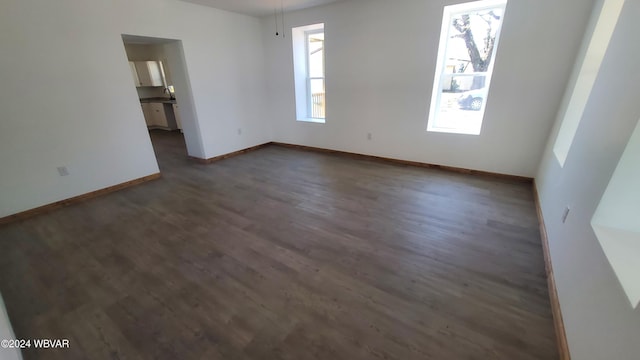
62,170
565,214
369,136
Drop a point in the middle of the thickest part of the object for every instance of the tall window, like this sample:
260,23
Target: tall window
315,63
309,72
468,43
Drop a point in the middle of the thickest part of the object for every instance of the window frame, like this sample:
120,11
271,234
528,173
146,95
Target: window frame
575,100
301,74
308,67
449,12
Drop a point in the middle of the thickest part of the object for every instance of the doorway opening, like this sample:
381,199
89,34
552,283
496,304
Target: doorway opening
159,73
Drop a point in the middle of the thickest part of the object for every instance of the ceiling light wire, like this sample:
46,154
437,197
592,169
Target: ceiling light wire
275,15
282,17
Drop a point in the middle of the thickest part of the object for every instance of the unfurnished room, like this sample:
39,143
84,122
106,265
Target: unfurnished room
320,179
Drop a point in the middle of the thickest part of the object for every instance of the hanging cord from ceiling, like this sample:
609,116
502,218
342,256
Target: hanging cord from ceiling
275,16
282,17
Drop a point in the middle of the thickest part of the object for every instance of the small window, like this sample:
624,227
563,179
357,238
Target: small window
468,43
309,72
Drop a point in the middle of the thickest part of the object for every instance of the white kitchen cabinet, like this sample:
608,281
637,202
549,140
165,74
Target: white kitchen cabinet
149,73
157,115
146,111
176,113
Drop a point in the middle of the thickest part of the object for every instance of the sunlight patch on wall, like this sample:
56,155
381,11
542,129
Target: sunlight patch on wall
616,221
586,78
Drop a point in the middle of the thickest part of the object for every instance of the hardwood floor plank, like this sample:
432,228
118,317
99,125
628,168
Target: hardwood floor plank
285,254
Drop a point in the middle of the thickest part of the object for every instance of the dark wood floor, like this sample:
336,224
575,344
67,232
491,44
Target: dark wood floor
285,254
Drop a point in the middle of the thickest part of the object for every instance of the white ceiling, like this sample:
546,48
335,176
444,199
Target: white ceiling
261,7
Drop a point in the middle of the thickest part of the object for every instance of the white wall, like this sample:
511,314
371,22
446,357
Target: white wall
66,99
144,52
600,323
380,64
67,96
6,332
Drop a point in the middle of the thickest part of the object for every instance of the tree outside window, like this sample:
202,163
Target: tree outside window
468,44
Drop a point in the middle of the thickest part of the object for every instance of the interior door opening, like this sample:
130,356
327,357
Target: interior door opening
159,72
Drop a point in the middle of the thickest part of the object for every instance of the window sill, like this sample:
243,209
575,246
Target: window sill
312,120
622,248
615,221
453,131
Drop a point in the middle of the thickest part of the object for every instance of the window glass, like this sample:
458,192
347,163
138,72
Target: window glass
309,72
468,43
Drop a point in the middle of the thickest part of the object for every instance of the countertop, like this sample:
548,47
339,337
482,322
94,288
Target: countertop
158,100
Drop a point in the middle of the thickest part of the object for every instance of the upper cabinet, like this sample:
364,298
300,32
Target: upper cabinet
147,73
